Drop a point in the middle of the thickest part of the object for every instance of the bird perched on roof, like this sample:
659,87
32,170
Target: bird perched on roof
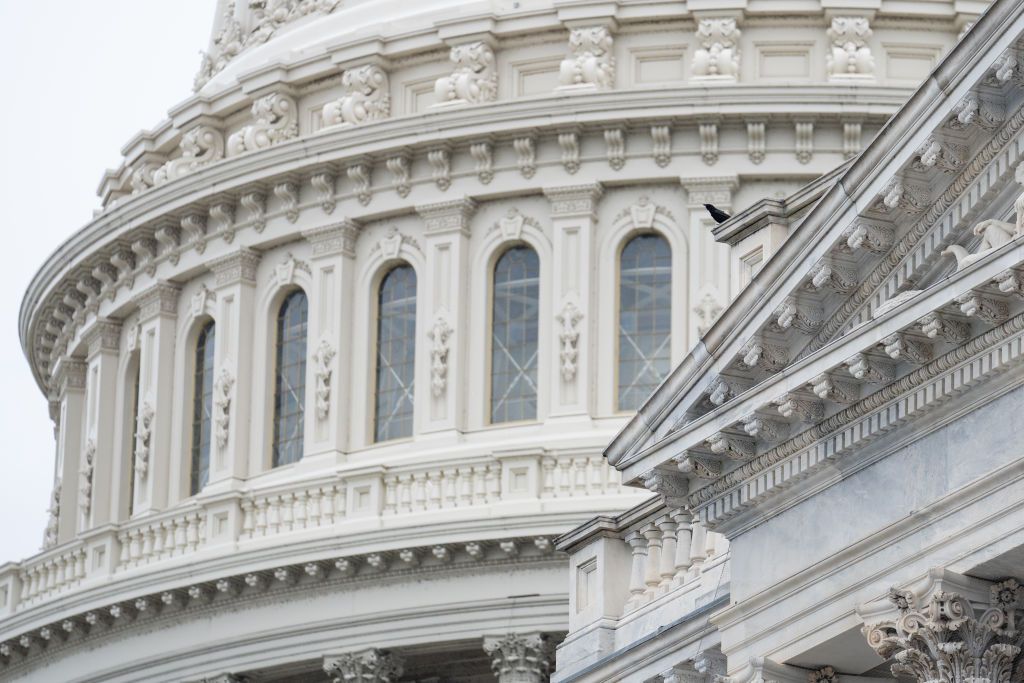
716,213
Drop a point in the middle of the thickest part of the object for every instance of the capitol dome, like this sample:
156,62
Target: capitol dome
337,360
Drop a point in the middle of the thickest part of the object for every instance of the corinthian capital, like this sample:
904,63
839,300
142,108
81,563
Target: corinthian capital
369,666
520,658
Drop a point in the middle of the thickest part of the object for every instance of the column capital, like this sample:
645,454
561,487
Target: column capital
236,267
69,373
160,299
947,629
445,217
337,238
715,190
520,657
368,666
103,335
574,200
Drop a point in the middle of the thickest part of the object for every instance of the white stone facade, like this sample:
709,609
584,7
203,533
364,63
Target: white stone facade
321,149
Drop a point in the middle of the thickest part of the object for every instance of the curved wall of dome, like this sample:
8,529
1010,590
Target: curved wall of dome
338,358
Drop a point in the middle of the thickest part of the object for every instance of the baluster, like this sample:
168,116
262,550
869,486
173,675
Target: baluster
698,544
683,541
480,485
147,543
434,490
248,518
667,525
285,513
180,535
314,507
80,565
28,584
547,488
493,483
261,516
391,495
405,494
158,541
652,576
638,546
192,533
328,511
465,479
169,539
597,475
451,490
419,494
565,478
122,559
202,529
341,492
579,485
273,515
301,510
61,564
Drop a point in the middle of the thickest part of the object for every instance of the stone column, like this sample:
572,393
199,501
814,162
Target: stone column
367,666
573,223
235,286
103,341
69,381
329,340
158,312
447,249
709,261
520,657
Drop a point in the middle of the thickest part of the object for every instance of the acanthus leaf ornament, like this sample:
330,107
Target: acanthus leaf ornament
275,120
372,666
569,337
324,184
85,476
285,270
365,98
592,65
222,391
526,156
359,174
255,204
200,146
439,334
718,56
323,359
516,657
849,55
143,436
483,154
288,193
474,80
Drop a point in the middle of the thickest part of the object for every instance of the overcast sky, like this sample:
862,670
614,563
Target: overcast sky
80,78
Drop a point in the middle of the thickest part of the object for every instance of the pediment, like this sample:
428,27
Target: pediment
908,260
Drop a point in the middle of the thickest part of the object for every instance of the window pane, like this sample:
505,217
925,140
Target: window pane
396,354
202,407
514,336
645,293
290,379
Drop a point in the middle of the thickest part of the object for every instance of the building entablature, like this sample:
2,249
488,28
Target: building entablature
870,307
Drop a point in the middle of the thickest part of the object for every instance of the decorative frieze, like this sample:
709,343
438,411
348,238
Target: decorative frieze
900,346
574,200
698,467
849,56
103,336
592,65
984,308
339,238
160,299
732,447
450,216
769,357
791,313
237,267
864,367
975,110
833,389
365,98
827,273
945,156
718,56
323,359
439,334
517,658
872,238
901,194
474,80
763,428
803,409
938,325
670,486
275,120
222,392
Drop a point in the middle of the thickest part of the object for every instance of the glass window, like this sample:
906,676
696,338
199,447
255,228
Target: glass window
645,309
290,379
514,336
202,407
396,354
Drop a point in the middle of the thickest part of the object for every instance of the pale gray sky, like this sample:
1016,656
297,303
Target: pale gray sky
79,79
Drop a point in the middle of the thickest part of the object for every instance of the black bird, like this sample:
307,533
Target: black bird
716,213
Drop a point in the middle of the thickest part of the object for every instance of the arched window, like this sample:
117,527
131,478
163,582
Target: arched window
396,354
514,324
645,314
290,379
202,407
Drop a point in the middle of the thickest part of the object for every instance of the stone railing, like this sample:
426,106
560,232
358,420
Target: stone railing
235,521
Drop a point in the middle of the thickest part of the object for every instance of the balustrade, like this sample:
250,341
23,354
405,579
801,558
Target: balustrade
52,573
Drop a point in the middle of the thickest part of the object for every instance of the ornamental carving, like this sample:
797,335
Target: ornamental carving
200,147
222,387
85,478
275,120
718,55
474,80
526,156
322,361
511,226
365,98
707,311
391,244
285,270
143,436
569,337
949,640
439,334
944,156
993,233
592,64
975,110
732,447
769,357
201,299
642,214
52,531
849,55
373,666
520,658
